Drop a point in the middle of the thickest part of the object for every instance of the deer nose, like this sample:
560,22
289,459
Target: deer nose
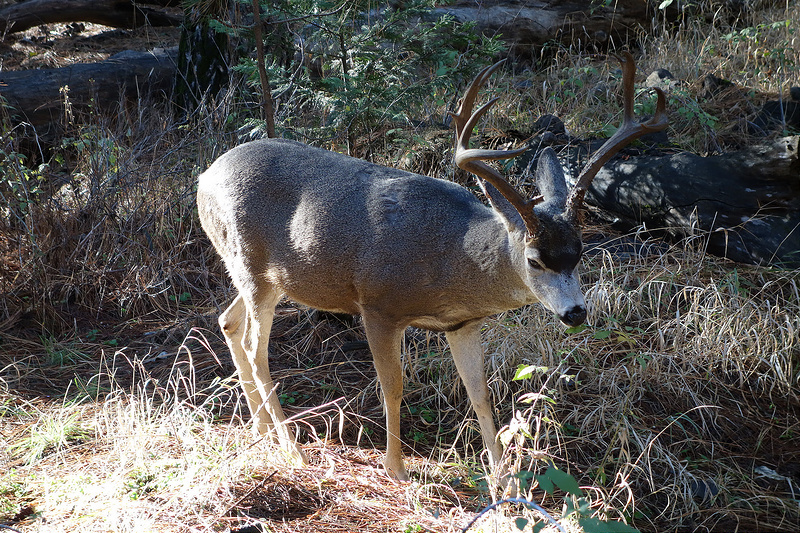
574,317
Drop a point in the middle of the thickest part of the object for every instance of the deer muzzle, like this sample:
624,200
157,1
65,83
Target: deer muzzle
574,317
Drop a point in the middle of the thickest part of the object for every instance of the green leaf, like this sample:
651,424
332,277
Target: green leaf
569,506
526,371
546,484
535,396
521,523
564,481
601,334
584,508
595,525
331,83
576,329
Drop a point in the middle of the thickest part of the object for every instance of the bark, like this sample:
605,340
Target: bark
267,107
35,96
748,201
115,13
529,24
203,58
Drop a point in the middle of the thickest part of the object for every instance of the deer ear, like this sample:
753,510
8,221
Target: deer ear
502,206
550,181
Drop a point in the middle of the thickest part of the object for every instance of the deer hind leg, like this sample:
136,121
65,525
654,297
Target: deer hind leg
465,345
246,326
384,342
232,324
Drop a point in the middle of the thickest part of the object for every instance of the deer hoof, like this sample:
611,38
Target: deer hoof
396,471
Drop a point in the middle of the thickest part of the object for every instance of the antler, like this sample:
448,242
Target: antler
628,131
471,159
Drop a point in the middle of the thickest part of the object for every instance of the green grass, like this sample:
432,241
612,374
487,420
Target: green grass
53,432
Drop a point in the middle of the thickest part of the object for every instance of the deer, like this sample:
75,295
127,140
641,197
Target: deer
344,235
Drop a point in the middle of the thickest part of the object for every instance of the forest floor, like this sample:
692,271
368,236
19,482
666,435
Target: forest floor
676,410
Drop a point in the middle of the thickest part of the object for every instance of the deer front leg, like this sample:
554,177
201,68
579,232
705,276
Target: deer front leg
465,345
384,342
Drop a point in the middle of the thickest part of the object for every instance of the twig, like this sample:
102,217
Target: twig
249,492
523,501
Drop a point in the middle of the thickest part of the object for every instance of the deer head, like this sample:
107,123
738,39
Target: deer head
549,224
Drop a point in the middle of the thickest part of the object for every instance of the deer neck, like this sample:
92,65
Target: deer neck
498,252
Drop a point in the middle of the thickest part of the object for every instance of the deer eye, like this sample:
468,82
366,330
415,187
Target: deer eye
534,264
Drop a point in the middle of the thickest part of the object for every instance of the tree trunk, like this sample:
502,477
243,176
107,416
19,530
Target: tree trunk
202,57
115,13
528,25
267,107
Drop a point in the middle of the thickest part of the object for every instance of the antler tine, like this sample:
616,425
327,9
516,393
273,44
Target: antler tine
628,131
468,101
472,159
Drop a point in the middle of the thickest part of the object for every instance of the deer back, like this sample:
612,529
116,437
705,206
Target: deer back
343,234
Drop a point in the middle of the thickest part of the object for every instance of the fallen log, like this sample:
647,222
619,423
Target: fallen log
748,201
36,97
115,13
528,25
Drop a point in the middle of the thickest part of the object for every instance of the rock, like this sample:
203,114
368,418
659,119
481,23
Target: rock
713,86
704,491
748,202
661,78
776,116
550,123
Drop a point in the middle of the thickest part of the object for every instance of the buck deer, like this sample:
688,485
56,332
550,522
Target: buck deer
400,249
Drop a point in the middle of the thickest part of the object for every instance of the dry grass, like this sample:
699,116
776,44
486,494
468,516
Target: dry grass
760,56
167,455
118,411
689,374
